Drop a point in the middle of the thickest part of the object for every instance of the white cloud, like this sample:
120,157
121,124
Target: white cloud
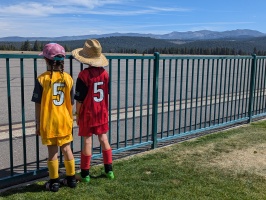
5,26
87,3
33,9
80,17
51,7
170,9
79,7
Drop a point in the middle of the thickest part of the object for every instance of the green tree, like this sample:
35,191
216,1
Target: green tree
25,46
67,49
36,46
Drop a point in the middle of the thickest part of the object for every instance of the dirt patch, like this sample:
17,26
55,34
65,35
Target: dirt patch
252,159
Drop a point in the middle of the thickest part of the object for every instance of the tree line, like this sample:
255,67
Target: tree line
26,46
205,51
190,51
38,46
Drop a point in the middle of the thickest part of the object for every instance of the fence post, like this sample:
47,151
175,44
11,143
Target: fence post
155,99
9,116
252,87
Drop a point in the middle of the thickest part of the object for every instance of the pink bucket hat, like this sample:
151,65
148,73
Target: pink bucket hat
52,50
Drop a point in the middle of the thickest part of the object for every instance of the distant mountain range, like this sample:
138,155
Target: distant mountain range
189,35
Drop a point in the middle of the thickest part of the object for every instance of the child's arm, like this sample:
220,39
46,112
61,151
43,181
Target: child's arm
78,105
37,117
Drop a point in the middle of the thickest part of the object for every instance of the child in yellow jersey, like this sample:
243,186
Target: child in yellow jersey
53,97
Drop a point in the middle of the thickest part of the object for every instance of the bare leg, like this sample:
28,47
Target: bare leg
103,139
67,152
52,164
52,152
107,155
87,146
85,160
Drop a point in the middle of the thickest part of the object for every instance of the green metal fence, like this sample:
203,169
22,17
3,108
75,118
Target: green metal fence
152,99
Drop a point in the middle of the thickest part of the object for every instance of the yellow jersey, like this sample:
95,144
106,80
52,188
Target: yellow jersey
55,94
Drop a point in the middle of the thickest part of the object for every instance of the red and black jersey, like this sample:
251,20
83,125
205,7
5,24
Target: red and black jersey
92,89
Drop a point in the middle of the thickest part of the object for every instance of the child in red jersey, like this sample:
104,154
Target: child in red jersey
92,89
53,97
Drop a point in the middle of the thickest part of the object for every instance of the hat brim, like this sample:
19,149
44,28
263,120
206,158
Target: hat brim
95,62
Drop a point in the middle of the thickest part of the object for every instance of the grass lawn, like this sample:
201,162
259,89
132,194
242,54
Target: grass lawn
226,165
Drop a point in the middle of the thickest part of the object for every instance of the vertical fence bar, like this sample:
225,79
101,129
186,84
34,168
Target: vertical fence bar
9,116
162,113
232,92
240,88
225,81
169,96
37,137
141,99
216,88
244,95
260,75
261,87
71,74
180,98
252,85
237,77
191,97
186,96
110,100
81,139
228,91
126,103
257,87
206,93
248,86
264,79
155,100
23,114
118,105
220,92
175,94
212,80
201,94
197,94
71,66
148,100
134,103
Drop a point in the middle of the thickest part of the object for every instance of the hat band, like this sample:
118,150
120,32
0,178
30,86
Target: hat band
58,58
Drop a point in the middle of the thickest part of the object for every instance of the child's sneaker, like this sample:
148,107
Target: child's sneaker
110,175
54,187
69,181
84,180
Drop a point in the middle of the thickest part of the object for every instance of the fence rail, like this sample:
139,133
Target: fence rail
152,99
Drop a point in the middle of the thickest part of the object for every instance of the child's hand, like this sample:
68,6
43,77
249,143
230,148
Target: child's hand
77,120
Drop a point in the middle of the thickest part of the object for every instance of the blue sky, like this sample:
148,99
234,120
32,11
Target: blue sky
53,18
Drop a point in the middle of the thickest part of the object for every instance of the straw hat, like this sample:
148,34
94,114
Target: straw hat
91,54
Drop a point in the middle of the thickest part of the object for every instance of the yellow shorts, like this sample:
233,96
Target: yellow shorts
58,141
